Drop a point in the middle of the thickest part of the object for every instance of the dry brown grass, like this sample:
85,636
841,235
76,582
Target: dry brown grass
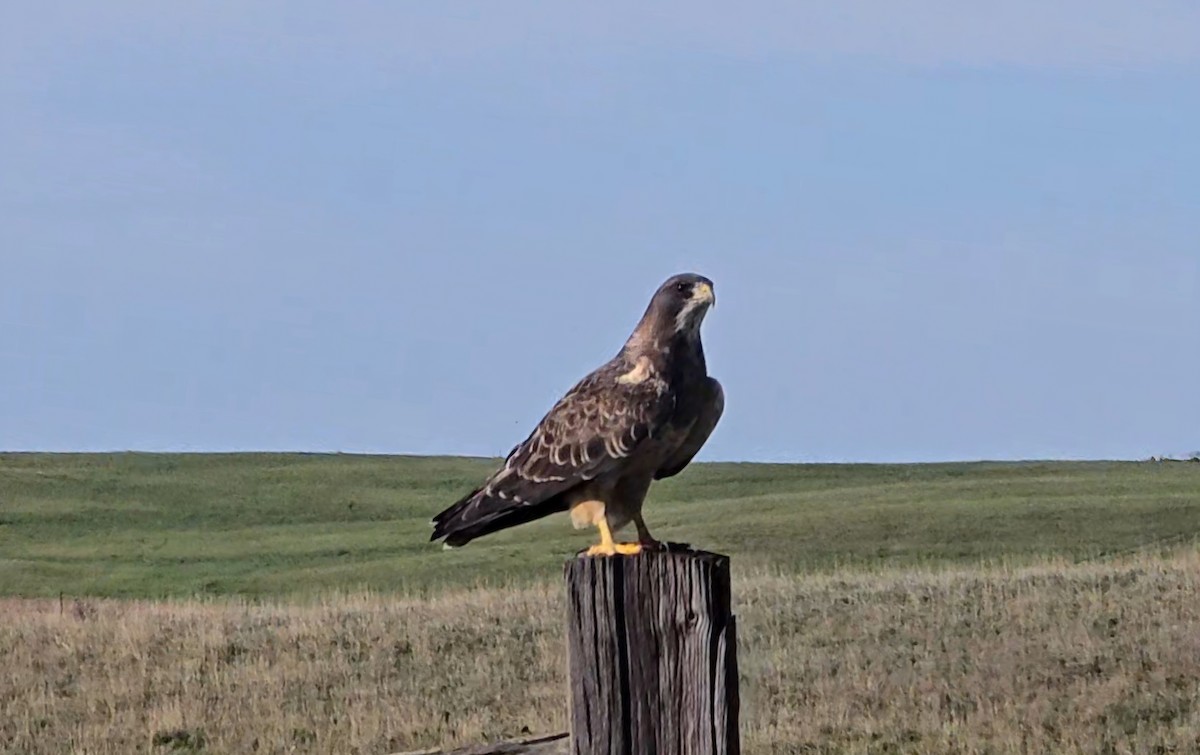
1093,658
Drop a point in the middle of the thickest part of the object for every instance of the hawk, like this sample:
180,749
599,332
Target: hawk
640,417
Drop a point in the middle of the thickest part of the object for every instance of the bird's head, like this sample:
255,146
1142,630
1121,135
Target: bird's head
677,308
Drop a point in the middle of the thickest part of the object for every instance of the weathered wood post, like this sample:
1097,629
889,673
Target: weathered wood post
652,650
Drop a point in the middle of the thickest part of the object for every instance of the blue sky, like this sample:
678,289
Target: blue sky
936,232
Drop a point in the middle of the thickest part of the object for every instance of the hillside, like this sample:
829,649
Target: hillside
145,525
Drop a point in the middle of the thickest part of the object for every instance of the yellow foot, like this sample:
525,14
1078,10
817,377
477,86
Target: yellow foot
612,549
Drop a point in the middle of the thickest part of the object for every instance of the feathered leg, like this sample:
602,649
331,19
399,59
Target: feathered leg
645,539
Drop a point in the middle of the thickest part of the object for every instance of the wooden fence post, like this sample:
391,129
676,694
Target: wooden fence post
652,650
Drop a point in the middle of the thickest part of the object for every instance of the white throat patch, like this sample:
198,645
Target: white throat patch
683,320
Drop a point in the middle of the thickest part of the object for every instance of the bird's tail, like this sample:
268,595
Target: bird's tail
448,523
477,514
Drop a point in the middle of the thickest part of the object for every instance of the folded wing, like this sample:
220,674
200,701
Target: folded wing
592,431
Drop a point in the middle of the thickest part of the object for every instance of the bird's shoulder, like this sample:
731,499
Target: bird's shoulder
602,418
625,390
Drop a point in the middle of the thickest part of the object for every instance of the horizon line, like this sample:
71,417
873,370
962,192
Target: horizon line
1194,456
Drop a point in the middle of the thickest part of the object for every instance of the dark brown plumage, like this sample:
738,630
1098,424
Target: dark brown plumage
642,416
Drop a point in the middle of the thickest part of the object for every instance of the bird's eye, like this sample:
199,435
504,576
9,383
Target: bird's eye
681,287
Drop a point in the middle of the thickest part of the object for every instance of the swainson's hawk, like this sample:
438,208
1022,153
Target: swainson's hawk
640,417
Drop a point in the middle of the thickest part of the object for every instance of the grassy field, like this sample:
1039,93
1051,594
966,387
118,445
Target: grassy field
146,526
1058,658
950,608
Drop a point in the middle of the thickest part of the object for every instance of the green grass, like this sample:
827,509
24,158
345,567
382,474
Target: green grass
148,525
